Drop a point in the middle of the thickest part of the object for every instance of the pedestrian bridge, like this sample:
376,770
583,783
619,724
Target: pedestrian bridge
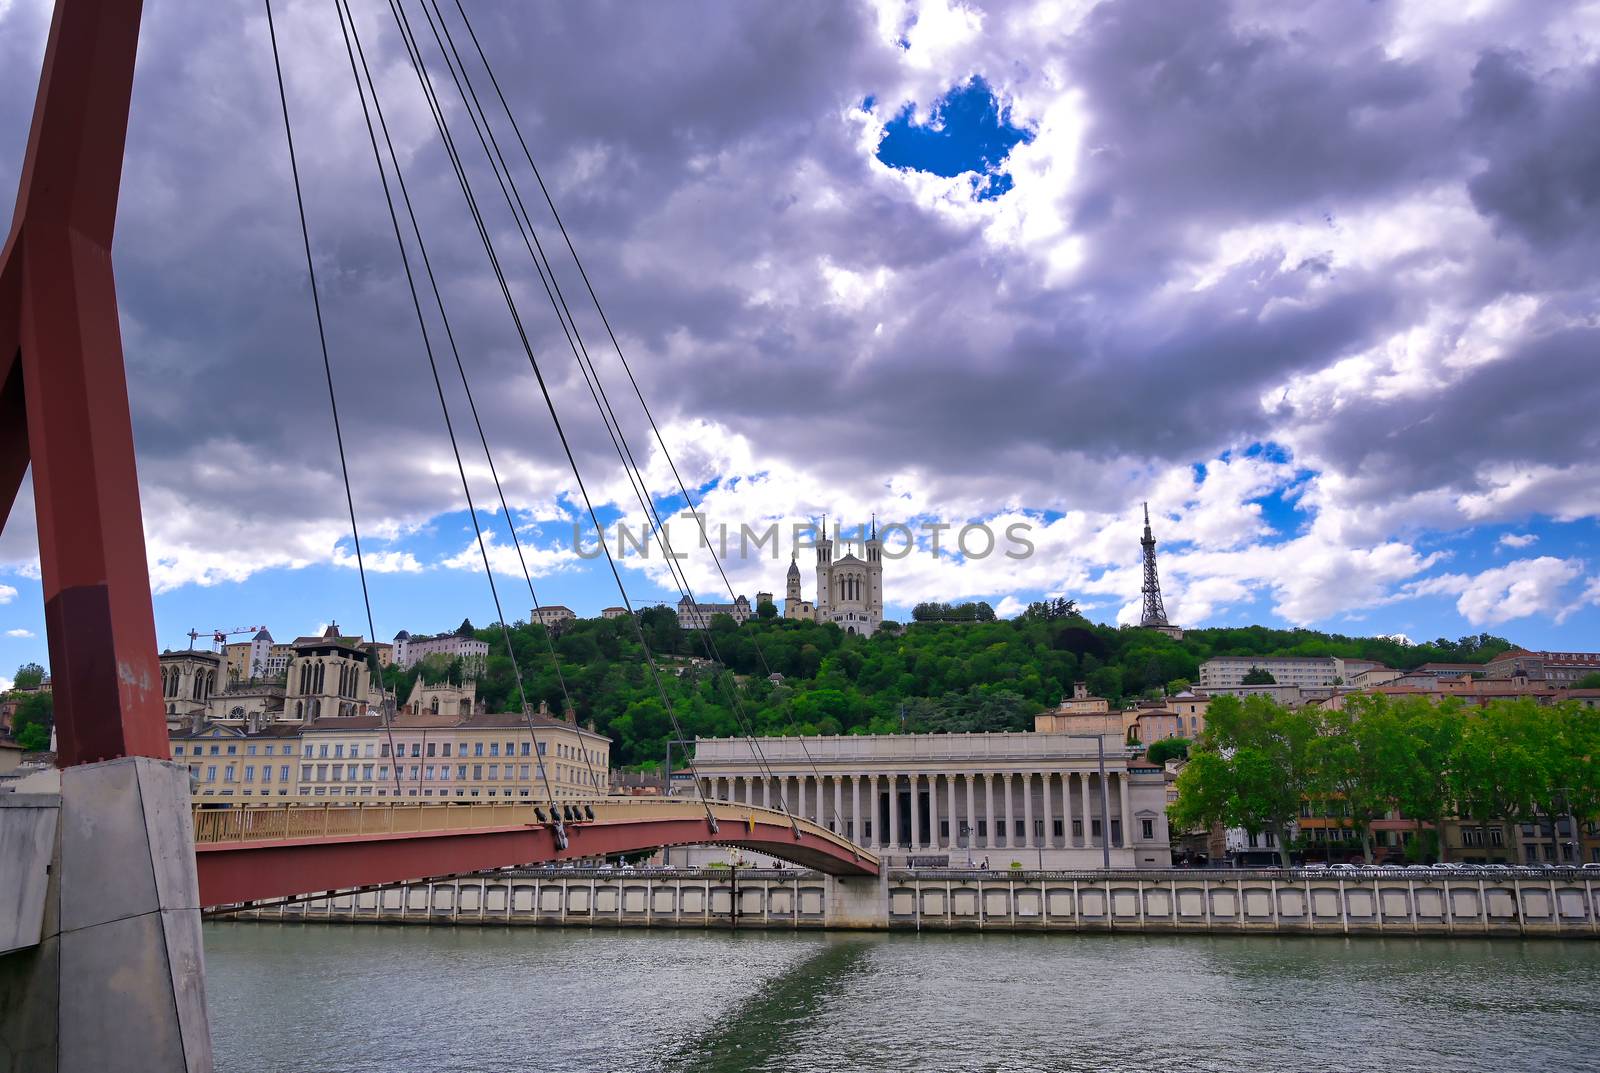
256,853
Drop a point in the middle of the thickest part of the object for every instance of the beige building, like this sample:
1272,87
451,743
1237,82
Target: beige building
697,614
552,615
462,644
1033,798
444,757
1555,668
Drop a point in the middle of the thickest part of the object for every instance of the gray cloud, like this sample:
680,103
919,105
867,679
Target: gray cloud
704,157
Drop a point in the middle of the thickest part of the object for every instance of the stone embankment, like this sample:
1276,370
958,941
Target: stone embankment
1564,903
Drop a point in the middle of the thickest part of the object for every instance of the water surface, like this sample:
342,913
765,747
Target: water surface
347,998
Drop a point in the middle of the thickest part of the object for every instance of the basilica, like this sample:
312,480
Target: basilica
849,589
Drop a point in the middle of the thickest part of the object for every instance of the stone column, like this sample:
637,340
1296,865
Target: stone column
956,825
1049,813
972,812
1011,827
857,834
1066,809
916,811
988,809
1127,809
838,805
1027,811
933,811
894,810
1088,812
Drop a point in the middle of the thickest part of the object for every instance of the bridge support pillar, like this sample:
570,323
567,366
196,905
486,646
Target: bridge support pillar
112,976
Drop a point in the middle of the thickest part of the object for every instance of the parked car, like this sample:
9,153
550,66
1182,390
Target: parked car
1343,867
1593,866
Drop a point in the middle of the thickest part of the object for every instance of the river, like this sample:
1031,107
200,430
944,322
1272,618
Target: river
341,999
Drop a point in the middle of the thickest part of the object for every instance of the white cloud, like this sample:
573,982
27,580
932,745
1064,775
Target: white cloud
1518,540
1518,589
19,632
7,594
5,683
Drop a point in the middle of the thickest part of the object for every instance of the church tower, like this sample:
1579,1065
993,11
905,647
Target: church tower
824,572
794,605
874,550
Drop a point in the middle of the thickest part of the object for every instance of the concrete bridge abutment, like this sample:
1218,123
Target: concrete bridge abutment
101,964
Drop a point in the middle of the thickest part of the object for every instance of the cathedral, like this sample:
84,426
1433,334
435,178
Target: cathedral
849,590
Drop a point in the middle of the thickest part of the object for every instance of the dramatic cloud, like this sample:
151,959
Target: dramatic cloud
1315,281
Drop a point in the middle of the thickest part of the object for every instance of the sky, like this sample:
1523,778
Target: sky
1315,281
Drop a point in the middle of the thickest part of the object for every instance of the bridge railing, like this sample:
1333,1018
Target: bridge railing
289,821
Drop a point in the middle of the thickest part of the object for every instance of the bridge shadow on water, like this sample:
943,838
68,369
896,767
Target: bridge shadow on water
766,1023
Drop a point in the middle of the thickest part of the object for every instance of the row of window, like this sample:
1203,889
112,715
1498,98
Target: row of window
232,750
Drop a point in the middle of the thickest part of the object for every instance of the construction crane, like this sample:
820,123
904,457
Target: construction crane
220,637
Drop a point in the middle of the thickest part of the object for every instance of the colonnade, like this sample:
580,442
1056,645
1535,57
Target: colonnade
934,811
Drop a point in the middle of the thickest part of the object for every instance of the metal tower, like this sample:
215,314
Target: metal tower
1154,613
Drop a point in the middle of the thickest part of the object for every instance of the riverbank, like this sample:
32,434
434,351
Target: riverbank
1563,904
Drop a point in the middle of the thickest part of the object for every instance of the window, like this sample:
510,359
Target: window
416,748
215,750
211,773
308,750
477,748
177,750
525,748
1147,829
1077,828
431,748
266,772
524,772
494,748
461,771
446,751
384,750
249,773
1019,827
338,750
305,772
541,748
1094,828
477,771
249,750
983,828
366,772
323,750
283,774
494,771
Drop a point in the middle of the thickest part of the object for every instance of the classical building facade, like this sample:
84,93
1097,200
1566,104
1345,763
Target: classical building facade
449,757
849,588
1033,798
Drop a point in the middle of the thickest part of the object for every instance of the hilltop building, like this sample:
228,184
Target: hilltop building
462,644
1556,668
697,615
849,589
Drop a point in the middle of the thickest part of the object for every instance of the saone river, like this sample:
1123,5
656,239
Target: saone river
338,999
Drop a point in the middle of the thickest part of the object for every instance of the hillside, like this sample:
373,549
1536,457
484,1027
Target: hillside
952,677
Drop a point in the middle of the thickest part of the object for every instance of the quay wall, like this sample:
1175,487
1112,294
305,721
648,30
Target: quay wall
1563,904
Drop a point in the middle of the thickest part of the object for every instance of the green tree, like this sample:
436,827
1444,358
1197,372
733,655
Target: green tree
766,609
1418,763
1588,681
1167,749
1350,765
1251,769
28,676
1257,676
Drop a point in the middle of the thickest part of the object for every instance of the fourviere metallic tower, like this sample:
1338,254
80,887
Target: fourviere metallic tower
1155,613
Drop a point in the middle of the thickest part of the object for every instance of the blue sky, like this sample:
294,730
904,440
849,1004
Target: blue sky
1313,282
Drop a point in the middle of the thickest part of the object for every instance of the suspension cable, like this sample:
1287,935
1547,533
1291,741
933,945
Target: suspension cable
591,375
348,29
327,364
545,393
682,485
